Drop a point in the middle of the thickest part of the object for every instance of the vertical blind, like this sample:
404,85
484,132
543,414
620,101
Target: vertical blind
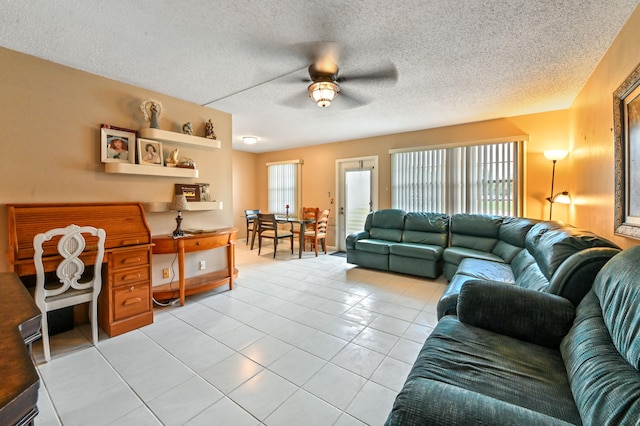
284,186
471,179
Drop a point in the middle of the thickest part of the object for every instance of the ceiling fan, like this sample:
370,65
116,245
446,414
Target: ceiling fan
325,83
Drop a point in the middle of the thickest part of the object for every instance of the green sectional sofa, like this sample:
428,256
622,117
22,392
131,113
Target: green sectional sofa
529,253
518,357
538,255
394,240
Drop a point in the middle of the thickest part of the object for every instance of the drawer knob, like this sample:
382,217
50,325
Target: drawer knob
198,243
132,288
132,301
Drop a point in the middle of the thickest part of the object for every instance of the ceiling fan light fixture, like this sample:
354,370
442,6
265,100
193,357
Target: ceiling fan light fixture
323,92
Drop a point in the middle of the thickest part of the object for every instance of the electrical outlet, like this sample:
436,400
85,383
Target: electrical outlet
203,264
165,273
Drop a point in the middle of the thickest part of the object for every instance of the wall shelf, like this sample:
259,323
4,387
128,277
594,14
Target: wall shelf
180,138
158,207
141,169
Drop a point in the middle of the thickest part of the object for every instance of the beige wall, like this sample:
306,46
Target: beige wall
545,131
50,136
591,136
245,195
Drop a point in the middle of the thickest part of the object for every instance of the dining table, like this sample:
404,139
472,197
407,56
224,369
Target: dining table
302,225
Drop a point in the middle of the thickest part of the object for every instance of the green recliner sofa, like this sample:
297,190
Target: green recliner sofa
538,255
394,240
518,357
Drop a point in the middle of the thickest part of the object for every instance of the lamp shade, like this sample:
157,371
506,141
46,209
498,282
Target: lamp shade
555,154
562,198
323,92
179,202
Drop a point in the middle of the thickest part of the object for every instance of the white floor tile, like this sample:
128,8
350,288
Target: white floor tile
306,409
298,341
263,393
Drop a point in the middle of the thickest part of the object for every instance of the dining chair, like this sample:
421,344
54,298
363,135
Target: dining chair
73,286
250,216
318,231
268,228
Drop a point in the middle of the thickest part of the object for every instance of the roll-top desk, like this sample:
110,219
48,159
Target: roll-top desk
125,301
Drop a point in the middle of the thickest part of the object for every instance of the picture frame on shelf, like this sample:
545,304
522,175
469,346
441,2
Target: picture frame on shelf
626,128
117,144
190,191
150,152
205,191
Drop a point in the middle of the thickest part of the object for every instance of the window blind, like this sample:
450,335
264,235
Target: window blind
472,179
284,186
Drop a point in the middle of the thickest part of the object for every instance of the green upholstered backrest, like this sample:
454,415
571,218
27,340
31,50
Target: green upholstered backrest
426,228
387,225
513,231
475,231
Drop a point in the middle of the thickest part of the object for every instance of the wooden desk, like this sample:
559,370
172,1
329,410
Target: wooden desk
125,300
19,326
166,244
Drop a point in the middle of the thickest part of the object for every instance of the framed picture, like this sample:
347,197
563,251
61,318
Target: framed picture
626,127
118,145
191,191
205,194
150,152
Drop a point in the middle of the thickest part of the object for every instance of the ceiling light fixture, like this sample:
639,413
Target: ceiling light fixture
323,92
250,140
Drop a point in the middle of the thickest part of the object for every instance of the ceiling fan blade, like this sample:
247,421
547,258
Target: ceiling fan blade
389,73
297,101
347,100
324,54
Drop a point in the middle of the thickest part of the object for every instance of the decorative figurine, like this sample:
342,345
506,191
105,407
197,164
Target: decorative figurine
187,128
208,130
172,158
152,110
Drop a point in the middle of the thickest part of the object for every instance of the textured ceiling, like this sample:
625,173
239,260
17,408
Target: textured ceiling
457,61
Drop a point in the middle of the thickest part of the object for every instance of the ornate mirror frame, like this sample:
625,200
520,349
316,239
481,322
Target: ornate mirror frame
626,127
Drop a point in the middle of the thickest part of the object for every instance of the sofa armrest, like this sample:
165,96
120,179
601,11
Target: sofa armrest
575,276
528,315
428,402
352,238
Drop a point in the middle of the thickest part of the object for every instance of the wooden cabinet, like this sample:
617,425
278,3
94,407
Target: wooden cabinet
224,237
125,299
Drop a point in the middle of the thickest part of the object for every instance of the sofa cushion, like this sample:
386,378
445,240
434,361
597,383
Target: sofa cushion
485,270
606,387
498,366
512,237
455,255
419,251
373,246
618,290
474,231
426,228
537,231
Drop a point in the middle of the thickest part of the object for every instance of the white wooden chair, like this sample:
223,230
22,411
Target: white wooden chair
72,287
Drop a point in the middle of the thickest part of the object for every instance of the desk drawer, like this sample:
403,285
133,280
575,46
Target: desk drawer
197,244
126,259
130,301
129,276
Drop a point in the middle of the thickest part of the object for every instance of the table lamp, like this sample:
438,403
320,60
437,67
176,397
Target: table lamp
179,203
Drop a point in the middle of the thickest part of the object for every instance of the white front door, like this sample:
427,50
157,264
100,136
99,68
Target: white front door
357,195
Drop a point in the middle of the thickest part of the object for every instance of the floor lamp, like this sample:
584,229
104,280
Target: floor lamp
561,197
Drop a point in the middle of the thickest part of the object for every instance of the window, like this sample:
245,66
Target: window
284,186
471,179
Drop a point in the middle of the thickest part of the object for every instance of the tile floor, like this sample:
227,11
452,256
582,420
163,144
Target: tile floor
311,341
